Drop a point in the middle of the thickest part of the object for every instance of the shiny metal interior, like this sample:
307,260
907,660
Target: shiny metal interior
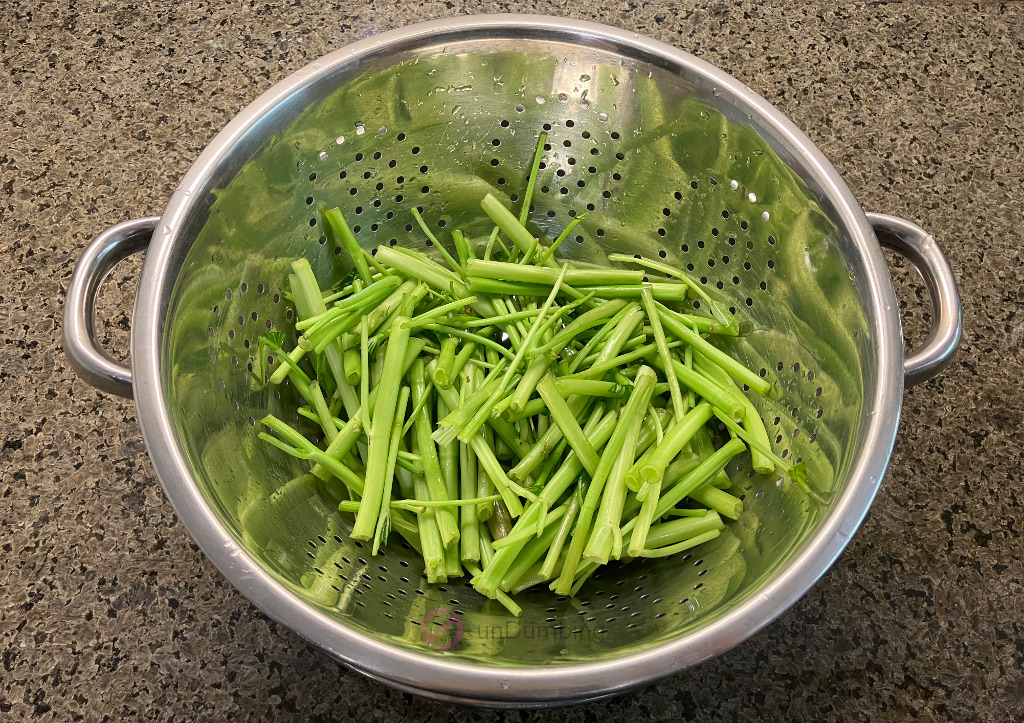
668,163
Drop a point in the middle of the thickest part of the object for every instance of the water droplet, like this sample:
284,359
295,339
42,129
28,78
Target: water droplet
602,117
339,140
563,97
323,155
704,114
382,130
505,684
765,216
584,77
360,129
615,79
167,230
584,103
752,197
540,100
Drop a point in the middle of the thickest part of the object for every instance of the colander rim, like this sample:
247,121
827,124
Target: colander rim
486,684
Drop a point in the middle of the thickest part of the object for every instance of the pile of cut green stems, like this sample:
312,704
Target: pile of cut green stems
515,417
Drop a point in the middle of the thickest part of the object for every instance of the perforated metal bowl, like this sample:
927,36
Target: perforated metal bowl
672,158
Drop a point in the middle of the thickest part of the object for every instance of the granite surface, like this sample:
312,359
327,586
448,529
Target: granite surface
108,610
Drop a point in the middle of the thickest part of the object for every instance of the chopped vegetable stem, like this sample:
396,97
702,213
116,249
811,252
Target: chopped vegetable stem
380,430
447,525
566,421
606,534
663,350
336,222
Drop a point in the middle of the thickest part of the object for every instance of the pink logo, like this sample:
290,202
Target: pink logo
436,625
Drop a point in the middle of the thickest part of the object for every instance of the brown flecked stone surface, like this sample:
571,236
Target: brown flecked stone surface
109,611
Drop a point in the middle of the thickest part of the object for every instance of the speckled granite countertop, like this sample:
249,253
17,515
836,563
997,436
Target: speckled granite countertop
107,608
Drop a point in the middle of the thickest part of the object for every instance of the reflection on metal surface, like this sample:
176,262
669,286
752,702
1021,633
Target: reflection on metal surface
667,175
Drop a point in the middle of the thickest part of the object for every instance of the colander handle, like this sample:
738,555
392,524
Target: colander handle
919,248
107,250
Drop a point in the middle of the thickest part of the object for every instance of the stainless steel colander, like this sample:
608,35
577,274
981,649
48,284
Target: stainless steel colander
672,158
